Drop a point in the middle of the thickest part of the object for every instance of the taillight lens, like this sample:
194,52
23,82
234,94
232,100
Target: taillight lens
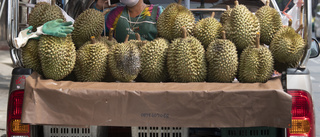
303,121
14,126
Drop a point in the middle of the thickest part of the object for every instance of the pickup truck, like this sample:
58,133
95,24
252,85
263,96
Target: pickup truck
294,82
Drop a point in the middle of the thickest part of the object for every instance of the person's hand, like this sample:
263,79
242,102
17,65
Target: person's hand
102,4
57,28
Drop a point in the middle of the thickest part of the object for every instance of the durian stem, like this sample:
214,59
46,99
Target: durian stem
179,2
268,3
223,34
138,36
236,2
184,32
290,22
93,39
228,7
110,34
127,39
257,40
212,14
53,2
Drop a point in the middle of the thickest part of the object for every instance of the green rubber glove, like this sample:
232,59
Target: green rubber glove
57,28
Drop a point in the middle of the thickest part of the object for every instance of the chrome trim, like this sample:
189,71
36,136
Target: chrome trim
307,32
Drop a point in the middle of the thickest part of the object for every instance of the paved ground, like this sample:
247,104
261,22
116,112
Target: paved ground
5,76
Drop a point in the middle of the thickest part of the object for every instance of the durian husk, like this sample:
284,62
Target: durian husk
256,64
270,23
206,30
172,19
57,56
87,24
124,61
153,60
241,27
222,59
30,57
42,13
186,59
91,64
287,46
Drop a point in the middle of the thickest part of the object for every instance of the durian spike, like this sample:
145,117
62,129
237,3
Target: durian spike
228,7
53,2
138,36
179,2
236,2
184,32
127,39
223,34
212,14
258,40
110,34
104,26
93,39
268,3
290,22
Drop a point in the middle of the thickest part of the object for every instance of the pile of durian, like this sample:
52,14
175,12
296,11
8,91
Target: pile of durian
243,46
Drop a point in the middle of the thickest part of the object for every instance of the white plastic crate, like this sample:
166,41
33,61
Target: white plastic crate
159,132
60,131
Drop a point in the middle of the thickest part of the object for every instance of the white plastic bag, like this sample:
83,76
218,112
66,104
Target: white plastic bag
294,13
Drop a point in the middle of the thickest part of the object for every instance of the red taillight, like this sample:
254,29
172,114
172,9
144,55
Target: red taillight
14,126
303,121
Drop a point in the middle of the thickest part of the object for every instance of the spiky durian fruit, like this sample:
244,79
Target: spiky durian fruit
91,64
207,29
256,63
30,56
153,60
270,23
186,59
225,15
87,24
222,60
287,46
42,13
57,56
124,61
241,27
172,19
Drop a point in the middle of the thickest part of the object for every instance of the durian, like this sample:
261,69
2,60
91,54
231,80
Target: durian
87,24
256,64
287,46
207,29
270,23
91,64
57,56
186,59
241,27
172,19
153,60
30,57
225,15
42,13
222,59
124,61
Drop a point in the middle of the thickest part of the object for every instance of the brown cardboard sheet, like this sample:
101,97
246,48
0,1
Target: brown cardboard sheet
170,104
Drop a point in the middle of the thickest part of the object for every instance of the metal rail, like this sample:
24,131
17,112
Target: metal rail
14,26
